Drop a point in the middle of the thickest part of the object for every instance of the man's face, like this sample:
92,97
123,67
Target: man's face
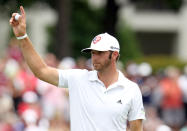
100,59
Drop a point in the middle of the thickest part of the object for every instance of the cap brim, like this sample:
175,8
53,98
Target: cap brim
86,50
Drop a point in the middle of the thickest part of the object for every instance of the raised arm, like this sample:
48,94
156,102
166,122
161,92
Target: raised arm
34,61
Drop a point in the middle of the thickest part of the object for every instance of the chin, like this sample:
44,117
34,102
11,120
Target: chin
96,68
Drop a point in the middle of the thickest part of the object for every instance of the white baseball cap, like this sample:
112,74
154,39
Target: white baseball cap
103,42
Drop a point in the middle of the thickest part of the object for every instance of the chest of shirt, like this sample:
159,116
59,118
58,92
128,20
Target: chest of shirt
93,97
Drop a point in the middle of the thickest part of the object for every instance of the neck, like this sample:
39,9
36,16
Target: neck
108,76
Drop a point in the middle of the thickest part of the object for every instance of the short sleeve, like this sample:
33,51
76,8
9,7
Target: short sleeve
63,78
137,109
70,76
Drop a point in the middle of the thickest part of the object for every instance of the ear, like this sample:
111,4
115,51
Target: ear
115,54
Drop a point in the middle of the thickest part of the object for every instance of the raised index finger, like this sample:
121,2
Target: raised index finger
22,11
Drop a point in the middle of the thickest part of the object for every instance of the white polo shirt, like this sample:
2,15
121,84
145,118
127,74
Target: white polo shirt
93,107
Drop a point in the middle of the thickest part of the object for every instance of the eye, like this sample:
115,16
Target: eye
100,52
92,53
97,52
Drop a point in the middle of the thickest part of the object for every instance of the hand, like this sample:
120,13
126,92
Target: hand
19,26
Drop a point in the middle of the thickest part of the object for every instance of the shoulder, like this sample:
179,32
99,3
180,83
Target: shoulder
69,75
131,88
126,82
75,72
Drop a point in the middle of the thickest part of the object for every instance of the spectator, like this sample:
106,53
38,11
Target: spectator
171,104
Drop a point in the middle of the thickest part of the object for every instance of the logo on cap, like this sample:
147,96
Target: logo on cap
96,39
114,48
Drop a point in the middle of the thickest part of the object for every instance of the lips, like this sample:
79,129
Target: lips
96,64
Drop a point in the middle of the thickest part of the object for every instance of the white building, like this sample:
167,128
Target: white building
163,31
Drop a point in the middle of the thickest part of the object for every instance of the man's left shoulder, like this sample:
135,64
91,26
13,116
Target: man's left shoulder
127,82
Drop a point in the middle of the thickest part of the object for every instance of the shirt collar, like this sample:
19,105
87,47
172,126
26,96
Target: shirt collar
121,78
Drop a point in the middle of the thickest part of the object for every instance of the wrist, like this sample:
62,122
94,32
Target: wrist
22,37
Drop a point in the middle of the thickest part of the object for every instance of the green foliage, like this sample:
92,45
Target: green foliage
174,4
161,61
85,24
129,47
13,5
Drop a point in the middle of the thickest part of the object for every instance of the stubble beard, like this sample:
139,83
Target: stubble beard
102,66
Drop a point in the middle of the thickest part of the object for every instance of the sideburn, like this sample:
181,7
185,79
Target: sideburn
110,55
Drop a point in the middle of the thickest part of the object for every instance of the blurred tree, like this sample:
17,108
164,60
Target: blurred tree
63,44
111,17
86,22
172,5
130,49
13,5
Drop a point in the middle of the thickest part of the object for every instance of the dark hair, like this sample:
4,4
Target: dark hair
110,56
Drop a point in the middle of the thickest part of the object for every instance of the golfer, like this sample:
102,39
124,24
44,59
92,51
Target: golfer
100,100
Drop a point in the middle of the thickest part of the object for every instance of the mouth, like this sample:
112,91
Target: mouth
95,65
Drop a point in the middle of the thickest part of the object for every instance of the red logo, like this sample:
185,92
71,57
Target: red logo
96,39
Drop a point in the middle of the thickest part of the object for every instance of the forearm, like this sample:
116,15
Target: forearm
136,129
31,57
136,125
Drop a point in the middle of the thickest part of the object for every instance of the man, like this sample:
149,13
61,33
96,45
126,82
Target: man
100,100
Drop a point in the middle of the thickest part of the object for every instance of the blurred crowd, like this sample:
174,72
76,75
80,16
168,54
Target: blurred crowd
29,104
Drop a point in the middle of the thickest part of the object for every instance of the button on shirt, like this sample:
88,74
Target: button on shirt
93,107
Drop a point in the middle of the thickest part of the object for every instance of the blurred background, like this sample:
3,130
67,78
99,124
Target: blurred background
153,41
